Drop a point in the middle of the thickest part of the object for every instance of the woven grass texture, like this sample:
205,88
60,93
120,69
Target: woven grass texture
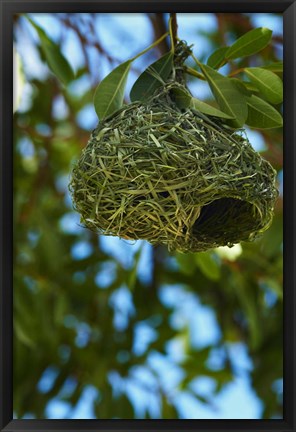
176,177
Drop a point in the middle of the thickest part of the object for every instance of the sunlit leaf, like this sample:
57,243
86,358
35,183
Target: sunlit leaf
58,64
152,78
250,87
268,83
208,109
226,94
250,43
217,59
109,94
262,115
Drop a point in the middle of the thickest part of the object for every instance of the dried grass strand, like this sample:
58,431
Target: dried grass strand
172,177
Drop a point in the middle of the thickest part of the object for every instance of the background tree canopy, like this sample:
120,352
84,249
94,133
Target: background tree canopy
106,328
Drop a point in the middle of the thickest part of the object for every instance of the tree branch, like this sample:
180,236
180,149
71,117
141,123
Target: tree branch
174,28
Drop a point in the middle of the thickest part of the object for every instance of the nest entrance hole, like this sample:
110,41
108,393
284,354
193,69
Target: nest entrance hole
226,217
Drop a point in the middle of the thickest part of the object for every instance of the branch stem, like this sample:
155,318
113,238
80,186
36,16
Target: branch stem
173,30
150,46
236,72
193,72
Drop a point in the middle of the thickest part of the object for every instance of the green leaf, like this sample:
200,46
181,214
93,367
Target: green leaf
109,94
262,115
227,95
250,43
183,100
152,78
217,59
208,109
208,266
276,67
240,86
250,87
268,83
181,97
57,63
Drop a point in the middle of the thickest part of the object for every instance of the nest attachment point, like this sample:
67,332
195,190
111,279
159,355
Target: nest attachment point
173,177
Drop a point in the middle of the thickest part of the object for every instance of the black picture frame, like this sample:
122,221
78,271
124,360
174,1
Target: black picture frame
7,10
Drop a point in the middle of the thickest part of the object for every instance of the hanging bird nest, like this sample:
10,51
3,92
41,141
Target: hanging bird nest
176,177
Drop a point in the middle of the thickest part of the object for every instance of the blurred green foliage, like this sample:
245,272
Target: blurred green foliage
66,316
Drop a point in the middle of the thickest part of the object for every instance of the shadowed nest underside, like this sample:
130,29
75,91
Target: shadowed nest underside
173,177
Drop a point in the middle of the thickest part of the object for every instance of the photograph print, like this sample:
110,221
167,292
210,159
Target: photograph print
148,216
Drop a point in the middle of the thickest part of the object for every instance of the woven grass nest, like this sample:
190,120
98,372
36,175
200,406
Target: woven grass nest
176,177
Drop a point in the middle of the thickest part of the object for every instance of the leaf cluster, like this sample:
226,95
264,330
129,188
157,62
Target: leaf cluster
248,99
239,101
